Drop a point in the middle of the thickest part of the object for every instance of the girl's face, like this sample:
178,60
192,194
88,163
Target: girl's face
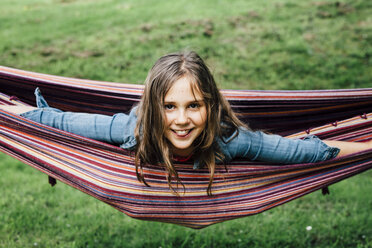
185,116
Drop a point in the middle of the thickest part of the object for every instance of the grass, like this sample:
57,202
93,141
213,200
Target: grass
248,44
282,44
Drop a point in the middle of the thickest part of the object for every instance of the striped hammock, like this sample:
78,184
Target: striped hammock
107,172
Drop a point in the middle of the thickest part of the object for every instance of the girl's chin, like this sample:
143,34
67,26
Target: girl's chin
184,152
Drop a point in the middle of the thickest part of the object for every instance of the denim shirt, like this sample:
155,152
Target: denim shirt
119,129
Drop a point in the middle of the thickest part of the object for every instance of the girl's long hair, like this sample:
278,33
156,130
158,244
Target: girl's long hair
152,146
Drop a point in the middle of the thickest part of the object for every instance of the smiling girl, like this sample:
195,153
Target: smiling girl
182,116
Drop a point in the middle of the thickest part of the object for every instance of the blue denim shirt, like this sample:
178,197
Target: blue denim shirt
119,129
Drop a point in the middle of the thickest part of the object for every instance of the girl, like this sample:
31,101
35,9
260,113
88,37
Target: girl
183,116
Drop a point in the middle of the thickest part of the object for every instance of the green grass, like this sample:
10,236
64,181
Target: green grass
282,44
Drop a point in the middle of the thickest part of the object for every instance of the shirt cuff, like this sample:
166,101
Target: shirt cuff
327,152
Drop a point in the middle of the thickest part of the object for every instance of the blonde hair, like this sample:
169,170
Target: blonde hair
152,145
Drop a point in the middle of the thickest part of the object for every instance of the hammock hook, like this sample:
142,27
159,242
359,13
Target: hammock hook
364,116
334,124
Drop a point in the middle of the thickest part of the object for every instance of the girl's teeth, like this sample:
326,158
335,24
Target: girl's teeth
183,132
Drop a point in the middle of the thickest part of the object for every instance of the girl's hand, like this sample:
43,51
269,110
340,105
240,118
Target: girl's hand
347,148
369,144
17,109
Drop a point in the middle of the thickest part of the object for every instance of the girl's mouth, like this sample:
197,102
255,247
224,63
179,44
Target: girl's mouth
182,133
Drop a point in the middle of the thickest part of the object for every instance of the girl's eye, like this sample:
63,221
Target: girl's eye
169,106
194,105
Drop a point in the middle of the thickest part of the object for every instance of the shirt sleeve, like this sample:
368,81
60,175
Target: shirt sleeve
259,146
117,129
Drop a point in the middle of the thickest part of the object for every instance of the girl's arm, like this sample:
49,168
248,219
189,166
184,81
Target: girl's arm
116,129
276,149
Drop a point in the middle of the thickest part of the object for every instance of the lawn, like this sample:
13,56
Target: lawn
282,44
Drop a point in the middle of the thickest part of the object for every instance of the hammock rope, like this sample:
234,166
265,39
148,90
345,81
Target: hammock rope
107,172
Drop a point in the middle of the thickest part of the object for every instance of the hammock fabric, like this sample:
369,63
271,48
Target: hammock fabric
107,172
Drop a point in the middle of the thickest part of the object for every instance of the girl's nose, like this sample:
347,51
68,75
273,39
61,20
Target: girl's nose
181,117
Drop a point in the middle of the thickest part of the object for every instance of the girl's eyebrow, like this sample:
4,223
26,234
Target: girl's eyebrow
195,101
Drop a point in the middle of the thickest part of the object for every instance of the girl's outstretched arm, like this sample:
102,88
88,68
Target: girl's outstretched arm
259,146
117,129
347,148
